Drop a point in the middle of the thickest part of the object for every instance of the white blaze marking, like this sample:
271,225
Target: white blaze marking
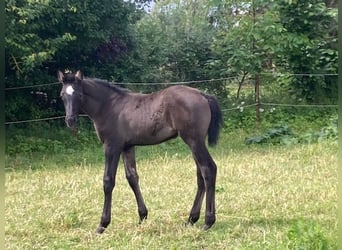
69,90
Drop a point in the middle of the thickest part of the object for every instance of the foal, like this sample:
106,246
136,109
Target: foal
124,119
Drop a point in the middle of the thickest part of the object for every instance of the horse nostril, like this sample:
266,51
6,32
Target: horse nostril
70,121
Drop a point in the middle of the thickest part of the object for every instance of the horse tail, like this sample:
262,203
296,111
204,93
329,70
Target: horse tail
215,121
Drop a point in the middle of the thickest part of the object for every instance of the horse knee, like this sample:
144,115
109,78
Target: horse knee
108,184
132,179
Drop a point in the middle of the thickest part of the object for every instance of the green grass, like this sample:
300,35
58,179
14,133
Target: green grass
279,197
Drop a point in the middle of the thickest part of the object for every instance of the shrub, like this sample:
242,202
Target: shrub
304,235
283,134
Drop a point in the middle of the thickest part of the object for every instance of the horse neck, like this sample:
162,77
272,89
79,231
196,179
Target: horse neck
96,99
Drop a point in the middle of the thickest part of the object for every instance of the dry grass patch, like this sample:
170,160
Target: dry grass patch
261,194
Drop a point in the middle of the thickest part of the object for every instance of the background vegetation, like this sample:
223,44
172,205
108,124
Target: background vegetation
273,67
177,41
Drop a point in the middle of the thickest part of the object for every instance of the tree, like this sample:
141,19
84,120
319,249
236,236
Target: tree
44,36
249,38
312,47
295,36
248,41
175,41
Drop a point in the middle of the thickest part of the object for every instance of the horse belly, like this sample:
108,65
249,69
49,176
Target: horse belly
153,134
163,134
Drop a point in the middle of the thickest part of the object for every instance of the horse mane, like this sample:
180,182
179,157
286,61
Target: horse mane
108,84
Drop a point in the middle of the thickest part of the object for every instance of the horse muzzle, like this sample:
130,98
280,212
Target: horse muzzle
71,122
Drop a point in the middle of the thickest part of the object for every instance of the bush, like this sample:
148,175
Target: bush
283,134
306,236
49,138
279,134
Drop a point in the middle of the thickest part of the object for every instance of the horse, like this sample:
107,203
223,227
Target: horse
125,119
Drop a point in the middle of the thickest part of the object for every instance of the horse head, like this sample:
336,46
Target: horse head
72,96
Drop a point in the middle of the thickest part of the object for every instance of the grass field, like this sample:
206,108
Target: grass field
268,197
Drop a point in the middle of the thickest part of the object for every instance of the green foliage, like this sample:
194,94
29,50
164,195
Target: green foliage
249,37
274,135
174,42
284,135
304,235
55,31
45,36
311,47
25,144
49,139
240,117
177,41
285,36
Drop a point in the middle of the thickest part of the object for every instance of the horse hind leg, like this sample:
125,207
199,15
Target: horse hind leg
207,170
196,207
209,175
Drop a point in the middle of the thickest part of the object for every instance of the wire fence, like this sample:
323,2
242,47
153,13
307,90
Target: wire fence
240,107
32,86
181,82
134,83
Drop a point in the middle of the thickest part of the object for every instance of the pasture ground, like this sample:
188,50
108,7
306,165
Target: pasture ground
267,197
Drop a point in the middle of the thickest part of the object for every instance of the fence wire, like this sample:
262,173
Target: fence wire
183,82
187,83
223,110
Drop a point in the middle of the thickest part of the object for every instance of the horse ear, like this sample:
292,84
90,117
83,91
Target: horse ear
79,75
60,76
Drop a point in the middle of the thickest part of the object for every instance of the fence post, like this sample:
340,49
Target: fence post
257,99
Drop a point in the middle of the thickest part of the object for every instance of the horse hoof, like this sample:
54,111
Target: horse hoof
100,230
206,227
142,220
193,219
188,224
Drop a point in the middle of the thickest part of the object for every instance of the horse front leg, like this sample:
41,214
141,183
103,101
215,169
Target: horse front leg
112,156
128,157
